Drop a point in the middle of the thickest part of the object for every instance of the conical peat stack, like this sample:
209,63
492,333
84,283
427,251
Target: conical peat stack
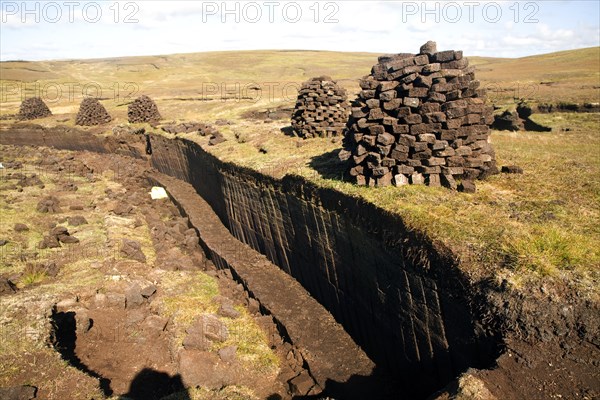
33,108
143,109
420,119
321,109
91,112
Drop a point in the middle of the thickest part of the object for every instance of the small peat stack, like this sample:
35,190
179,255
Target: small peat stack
143,109
518,120
420,119
33,108
321,109
91,112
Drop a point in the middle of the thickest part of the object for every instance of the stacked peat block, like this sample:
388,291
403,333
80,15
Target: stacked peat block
420,119
321,109
91,112
33,108
143,109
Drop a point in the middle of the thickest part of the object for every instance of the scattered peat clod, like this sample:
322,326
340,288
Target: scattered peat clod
49,204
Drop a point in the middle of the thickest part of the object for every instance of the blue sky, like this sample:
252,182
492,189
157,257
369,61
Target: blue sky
40,30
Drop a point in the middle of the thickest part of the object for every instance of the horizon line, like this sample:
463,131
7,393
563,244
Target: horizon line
270,50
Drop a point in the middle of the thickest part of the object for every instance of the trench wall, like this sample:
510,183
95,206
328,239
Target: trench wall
400,296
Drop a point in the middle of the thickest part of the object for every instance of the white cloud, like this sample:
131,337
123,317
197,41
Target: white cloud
546,38
179,26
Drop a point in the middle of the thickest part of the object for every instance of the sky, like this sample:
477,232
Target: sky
51,30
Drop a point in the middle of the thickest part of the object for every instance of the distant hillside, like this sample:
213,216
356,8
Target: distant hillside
564,76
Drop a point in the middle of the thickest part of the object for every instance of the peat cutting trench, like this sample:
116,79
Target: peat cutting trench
412,320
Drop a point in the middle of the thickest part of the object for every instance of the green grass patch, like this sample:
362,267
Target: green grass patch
252,343
187,296
31,278
548,250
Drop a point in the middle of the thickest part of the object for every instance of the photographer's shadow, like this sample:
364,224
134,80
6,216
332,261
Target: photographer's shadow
149,384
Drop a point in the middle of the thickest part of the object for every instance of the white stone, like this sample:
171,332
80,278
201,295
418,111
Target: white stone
158,192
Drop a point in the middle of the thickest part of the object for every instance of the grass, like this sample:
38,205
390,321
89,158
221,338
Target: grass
78,274
548,250
251,342
31,278
187,296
